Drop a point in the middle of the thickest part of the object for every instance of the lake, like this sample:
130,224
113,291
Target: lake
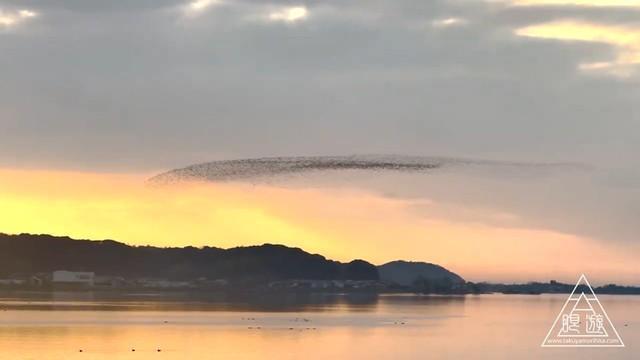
62,326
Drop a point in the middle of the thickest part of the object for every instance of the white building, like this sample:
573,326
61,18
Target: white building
73,277
162,283
12,282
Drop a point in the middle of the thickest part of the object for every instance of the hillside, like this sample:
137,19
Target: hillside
30,254
422,275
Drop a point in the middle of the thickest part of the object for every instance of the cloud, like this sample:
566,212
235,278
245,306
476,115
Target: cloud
625,40
585,3
289,14
94,7
13,18
448,22
132,87
198,6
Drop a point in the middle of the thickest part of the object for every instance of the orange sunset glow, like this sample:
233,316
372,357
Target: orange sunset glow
337,223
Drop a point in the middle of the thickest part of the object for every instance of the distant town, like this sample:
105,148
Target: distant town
49,263
85,280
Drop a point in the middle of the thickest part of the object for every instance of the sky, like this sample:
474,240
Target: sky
96,97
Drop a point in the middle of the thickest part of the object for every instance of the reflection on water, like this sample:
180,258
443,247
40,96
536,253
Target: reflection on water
288,302
295,326
187,301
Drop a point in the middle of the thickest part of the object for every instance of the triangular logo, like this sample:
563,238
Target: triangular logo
582,322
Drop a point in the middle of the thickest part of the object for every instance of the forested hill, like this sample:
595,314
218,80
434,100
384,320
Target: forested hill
30,254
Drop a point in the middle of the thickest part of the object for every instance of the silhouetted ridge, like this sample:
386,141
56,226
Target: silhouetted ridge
408,273
29,254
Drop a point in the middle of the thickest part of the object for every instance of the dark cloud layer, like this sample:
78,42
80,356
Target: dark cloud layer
143,85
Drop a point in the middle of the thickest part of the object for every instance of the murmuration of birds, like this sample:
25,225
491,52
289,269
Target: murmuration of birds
260,168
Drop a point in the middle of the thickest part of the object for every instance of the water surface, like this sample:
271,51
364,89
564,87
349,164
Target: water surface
58,326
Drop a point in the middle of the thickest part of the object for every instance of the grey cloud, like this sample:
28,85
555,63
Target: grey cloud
86,86
138,86
93,6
